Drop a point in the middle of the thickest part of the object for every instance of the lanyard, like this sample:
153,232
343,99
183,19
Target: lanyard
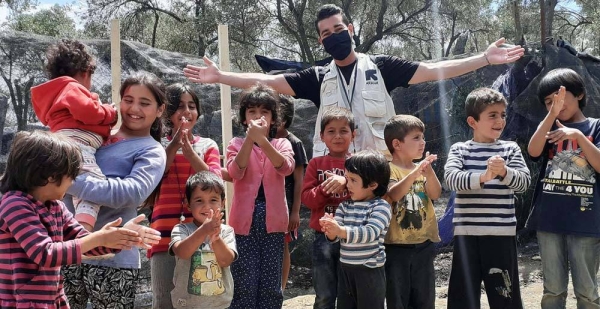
342,82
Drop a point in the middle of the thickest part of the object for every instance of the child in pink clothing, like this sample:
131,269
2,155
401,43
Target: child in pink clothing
258,165
67,106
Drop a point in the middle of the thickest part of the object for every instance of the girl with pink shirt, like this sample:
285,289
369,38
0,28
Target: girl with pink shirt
258,165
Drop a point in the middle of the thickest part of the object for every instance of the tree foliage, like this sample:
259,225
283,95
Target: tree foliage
20,66
53,22
414,29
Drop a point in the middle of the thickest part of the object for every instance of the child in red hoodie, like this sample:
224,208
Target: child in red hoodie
67,106
323,189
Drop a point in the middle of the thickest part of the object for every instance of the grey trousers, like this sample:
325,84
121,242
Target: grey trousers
162,266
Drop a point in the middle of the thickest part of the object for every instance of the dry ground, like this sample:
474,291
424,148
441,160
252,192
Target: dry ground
300,295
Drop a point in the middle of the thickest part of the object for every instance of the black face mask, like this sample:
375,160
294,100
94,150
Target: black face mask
338,45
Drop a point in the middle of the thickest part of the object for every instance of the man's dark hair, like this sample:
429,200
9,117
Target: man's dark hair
204,180
371,166
479,99
67,58
327,11
337,113
37,156
568,78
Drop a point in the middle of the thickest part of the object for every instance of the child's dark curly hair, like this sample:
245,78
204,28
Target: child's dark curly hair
67,58
260,95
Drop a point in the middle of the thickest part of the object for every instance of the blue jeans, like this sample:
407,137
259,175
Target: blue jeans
582,255
326,263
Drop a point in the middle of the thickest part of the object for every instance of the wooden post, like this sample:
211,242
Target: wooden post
227,135
115,64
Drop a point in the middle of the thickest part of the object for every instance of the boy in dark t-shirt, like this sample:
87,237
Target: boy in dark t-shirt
293,182
566,208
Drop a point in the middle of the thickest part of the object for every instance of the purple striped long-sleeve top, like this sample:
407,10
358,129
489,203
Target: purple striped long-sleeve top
36,239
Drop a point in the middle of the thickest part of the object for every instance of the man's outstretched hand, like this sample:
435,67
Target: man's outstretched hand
496,54
205,75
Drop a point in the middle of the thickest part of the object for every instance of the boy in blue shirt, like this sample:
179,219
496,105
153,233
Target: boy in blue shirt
565,210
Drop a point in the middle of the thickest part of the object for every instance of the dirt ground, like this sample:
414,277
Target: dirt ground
300,295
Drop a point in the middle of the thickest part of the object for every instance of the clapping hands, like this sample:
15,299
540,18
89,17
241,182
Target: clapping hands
331,227
334,184
212,224
149,236
424,167
563,133
258,130
496,166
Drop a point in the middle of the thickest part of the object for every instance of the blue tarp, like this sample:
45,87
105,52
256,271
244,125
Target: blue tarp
445,223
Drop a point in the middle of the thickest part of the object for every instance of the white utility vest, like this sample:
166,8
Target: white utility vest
365,96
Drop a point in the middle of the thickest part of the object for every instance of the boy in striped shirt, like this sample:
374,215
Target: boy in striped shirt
38,234
360,225
485,172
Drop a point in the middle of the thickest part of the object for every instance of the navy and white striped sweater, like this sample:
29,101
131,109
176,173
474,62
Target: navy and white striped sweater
366,224
488,208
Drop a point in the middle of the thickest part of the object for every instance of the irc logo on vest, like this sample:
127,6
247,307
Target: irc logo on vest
371,77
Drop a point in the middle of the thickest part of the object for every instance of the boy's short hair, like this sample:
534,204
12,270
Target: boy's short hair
257,96
67,58
286,107
571,80
398,127
337,113
479,99
204,180
35,157
371,166
327,11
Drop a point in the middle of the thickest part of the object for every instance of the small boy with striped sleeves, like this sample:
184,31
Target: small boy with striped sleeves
485,172
360,225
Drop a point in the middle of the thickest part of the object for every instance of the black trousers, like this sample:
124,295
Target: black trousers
491,259
410,276
361,287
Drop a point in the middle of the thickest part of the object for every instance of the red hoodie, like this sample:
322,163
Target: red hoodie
64,103
313,196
